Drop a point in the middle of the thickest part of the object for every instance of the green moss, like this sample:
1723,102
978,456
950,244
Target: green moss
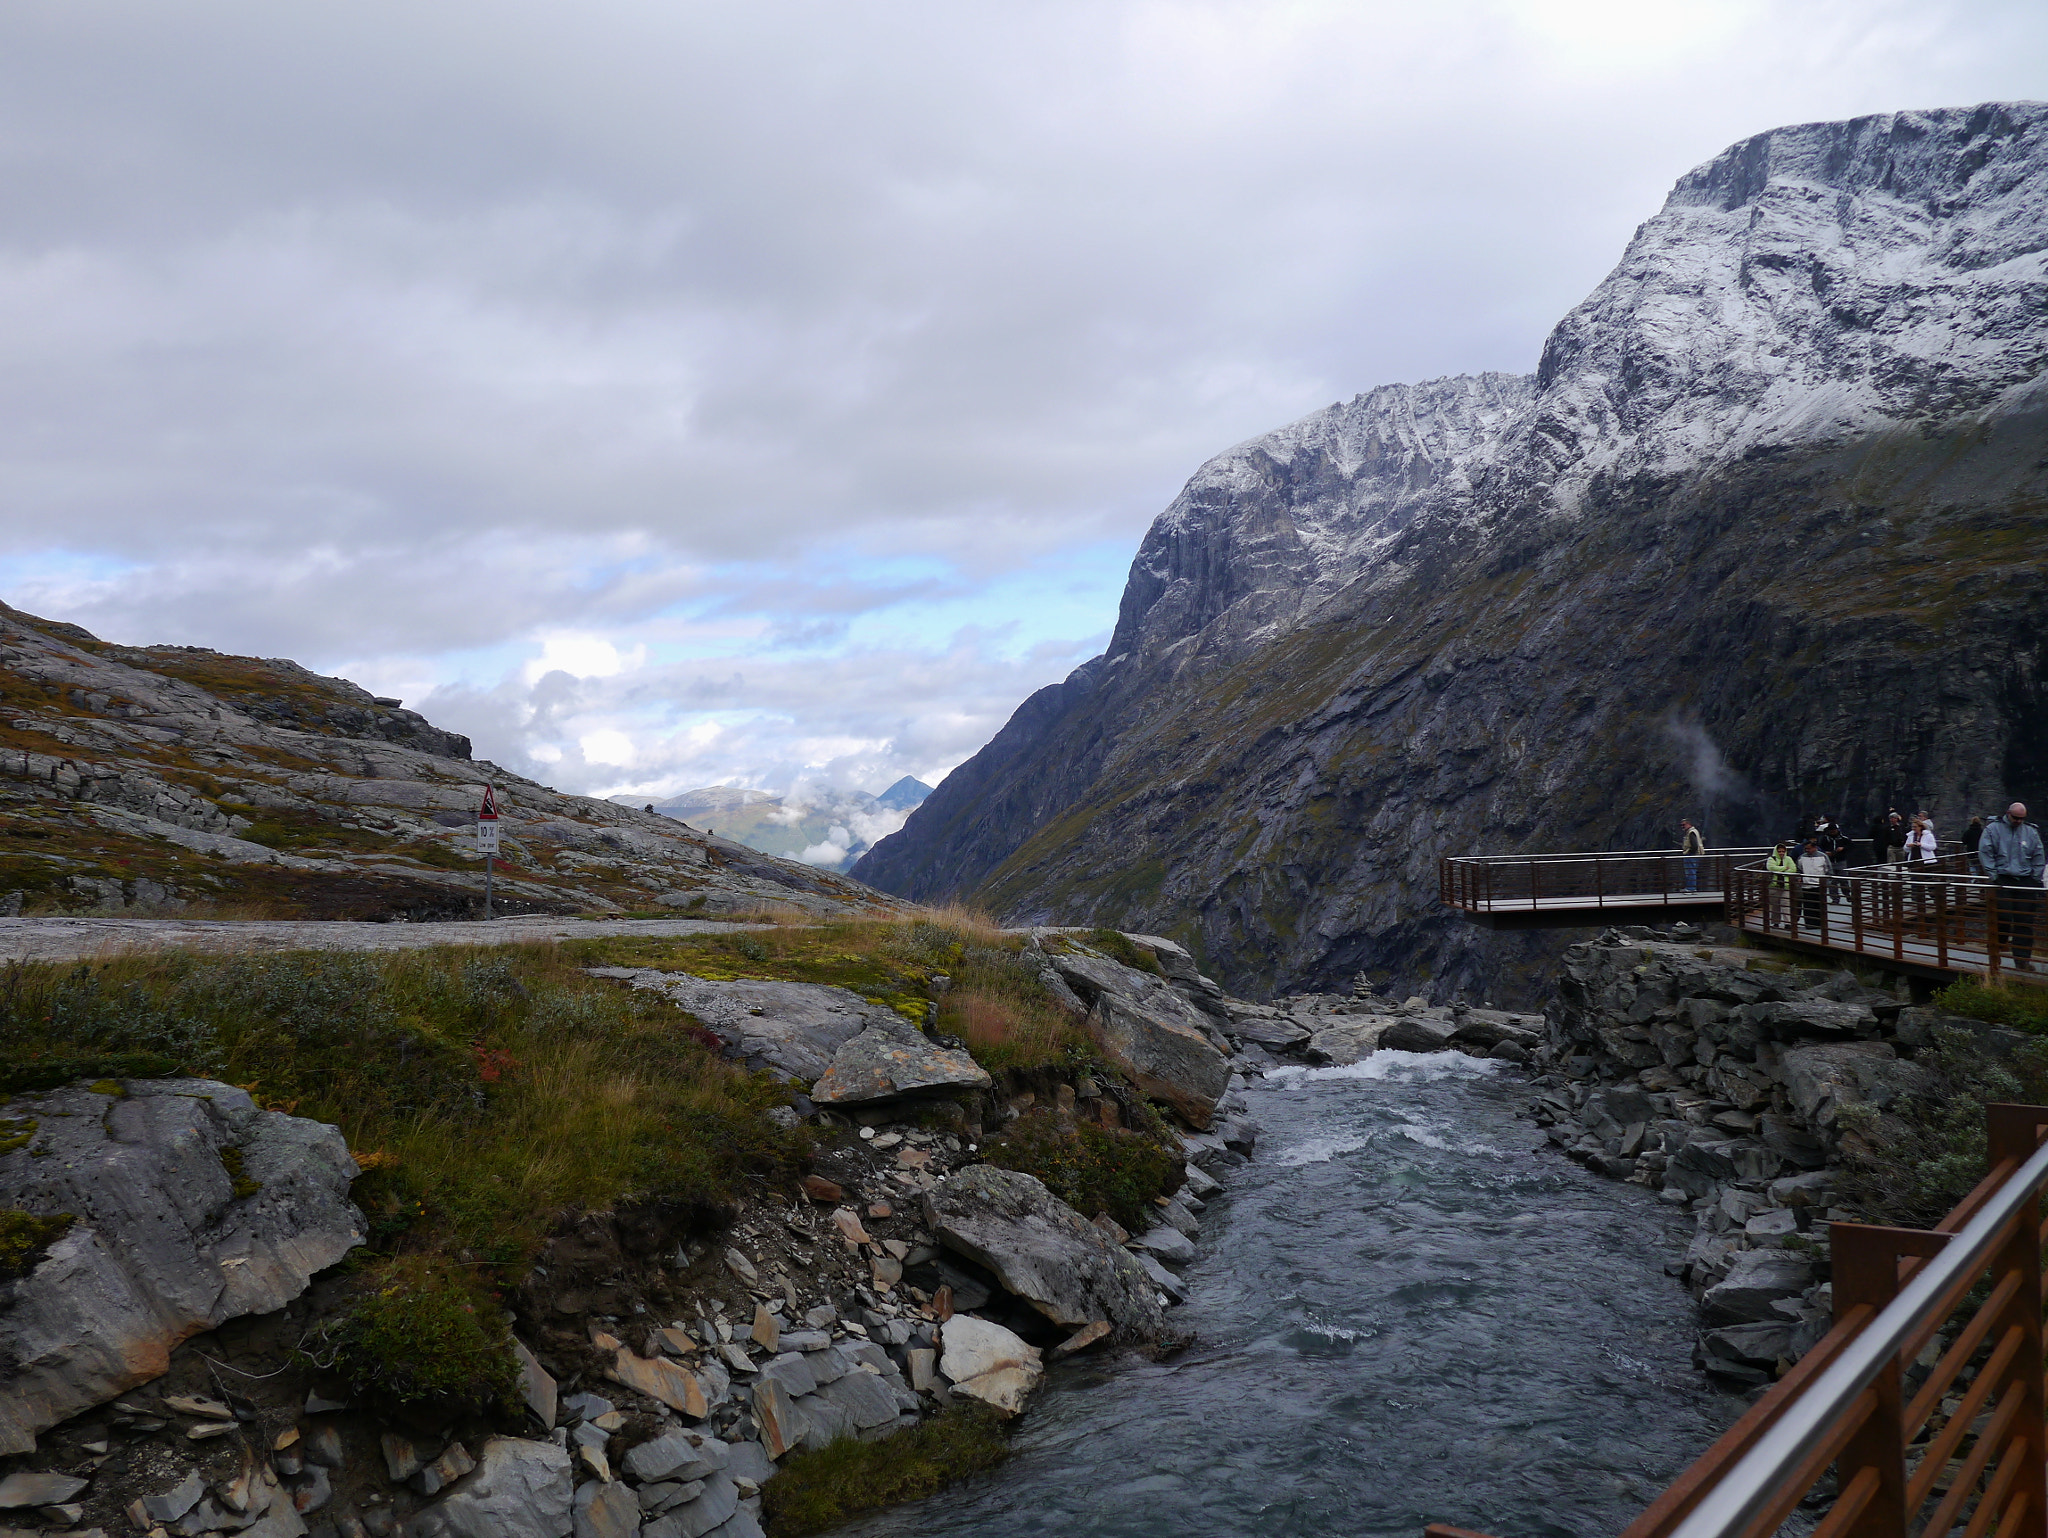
24,1237
15,1134
243,1186
817,1490
1092,1169
421,1333
47,1069
112,1087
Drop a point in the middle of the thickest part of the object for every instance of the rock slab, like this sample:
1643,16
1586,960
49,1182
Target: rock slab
1044,1251
161,1248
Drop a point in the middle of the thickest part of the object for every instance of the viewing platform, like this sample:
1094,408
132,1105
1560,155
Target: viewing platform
1555,891
1932,917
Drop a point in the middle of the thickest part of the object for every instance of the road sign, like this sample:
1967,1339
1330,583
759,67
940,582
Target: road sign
487,840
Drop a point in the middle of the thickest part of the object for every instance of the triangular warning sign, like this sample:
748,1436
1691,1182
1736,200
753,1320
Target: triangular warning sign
490,811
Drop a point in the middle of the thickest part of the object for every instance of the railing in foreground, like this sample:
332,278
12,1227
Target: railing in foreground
1621,879
1932,914
1926,1451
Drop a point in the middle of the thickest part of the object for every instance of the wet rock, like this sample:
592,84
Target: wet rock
987,1362
162,1247
1756,1279
885,1061
1168,1244
1417,1033
1349,1041
1043,1251
519,1489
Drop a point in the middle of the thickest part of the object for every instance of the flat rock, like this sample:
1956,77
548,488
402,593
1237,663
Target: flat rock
33,1488
1269,1030
1043,1251
693,1519
791,1028
987,1362
520,1489
606,1508
676,1455
161,1248
1349,1040
885,1061
1168,1244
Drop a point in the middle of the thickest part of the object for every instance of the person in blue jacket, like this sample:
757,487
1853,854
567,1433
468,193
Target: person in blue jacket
2011,855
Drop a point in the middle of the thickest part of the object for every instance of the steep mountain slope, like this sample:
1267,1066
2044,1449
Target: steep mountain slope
1760,535
154,777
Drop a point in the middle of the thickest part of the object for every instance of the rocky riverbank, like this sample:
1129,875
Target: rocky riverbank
1737,1085
667,1368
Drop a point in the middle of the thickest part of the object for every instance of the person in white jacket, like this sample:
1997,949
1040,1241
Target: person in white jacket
1814,870
1921,843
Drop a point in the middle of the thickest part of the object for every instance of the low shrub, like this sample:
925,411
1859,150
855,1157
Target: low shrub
419,1332
1092,1169
817,1490
1911,1164
2025,1008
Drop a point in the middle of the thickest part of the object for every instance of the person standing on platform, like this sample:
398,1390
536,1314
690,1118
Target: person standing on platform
2011,855
1783,868
1973,835
1692,846
1813,884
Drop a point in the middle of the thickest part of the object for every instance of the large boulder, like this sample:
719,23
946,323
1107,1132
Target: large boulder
1349,1039
519,1489
1044,1251
188,1207
1149,1031
792,1029
1418,1033
1822,1079
885,1061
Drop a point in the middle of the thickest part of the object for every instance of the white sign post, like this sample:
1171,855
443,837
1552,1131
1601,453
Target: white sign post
487,841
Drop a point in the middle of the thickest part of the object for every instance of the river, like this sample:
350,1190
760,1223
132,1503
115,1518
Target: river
1408,1311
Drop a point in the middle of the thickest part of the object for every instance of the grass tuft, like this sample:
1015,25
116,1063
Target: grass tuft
421,1332
1092,1169
817,1490
2025,1008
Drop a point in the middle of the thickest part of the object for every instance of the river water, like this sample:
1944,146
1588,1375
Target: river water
1408,1311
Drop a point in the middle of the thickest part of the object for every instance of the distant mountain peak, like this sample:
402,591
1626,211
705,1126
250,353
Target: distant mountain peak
904,794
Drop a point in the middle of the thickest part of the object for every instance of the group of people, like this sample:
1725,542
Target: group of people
2006,849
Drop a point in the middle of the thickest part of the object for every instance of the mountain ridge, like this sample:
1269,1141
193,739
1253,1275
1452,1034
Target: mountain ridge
1343,651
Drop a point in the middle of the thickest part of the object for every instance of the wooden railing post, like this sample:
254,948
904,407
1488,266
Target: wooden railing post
1866,1270
2014,1133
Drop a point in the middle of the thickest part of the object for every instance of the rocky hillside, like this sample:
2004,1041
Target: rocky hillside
159,778
1758,536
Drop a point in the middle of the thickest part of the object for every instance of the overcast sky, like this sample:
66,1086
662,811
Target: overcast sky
669,394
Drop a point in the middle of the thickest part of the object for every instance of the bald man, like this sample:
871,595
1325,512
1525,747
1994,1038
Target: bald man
2011,855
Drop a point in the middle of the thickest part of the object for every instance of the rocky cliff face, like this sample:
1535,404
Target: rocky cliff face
1758,537
154,778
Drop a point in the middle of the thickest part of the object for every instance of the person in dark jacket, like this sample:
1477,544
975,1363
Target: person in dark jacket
1973,835
1880,837
2011,854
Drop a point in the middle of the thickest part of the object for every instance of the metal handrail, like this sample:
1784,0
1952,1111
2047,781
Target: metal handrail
1746,1491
